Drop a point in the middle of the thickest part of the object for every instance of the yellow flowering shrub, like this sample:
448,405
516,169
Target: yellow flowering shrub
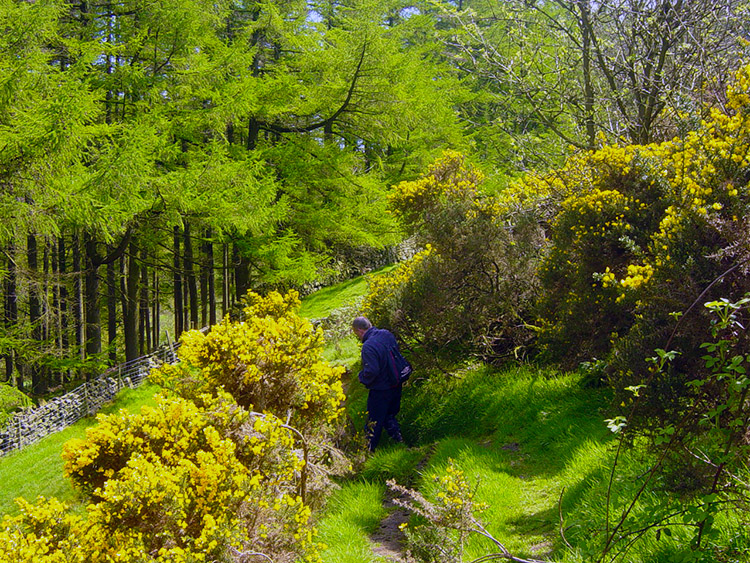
272,361
596,238
639,232
448,178
43,532
182,482
447,521
384,291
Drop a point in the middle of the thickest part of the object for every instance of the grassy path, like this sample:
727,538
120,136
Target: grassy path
528,440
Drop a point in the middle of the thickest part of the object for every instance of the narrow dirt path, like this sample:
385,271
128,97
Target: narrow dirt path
389,541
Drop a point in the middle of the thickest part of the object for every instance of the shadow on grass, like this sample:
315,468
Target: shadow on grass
542,420
522,505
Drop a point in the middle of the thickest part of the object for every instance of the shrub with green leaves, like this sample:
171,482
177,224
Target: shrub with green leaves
473,284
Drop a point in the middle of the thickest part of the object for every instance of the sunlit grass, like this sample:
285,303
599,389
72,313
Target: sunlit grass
321,303
528,439
352,514
394,461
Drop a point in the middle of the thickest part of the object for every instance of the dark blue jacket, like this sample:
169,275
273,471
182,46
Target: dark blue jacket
377,372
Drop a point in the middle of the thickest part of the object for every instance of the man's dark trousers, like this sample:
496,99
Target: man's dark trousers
382,407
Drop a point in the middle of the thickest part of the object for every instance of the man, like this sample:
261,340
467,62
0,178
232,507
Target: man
384,397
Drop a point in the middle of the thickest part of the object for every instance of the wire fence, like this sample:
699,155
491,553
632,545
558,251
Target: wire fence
32,424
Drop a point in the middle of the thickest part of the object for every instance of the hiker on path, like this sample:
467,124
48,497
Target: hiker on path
377,375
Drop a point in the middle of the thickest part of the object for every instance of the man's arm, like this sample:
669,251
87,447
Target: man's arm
370,366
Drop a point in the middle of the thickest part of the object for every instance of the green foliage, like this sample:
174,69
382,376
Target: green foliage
11,400
449,519
638,234
687,498
520,437
398,463
474,282
187,480
328,300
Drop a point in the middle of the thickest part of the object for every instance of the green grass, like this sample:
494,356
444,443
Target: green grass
393,461
321,303
343,352
37,470
523,436
352,514
527,438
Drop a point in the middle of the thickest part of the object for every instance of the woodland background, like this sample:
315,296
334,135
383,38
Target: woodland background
569,178
158,159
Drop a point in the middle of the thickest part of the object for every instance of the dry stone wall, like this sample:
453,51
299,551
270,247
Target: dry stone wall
32,424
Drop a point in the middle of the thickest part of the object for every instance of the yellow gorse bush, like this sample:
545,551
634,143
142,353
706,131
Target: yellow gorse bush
269,362
384,287
628,222
199,477
449,178
188,482
477,274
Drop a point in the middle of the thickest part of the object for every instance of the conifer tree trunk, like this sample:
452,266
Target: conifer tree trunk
91,304
32,259
211,271
46,319
224,279
62,267
44,293
192,282
78,309
253,129
93,313
185,299
144,324
11,311
241,274
112,312
155,308
55,318
130,306
204,280
177,272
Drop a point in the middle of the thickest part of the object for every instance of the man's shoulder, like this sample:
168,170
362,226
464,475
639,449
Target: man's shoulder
379,337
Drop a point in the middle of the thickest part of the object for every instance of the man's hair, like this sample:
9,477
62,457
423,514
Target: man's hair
361,323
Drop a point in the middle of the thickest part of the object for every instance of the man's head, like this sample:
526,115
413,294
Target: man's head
360,326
